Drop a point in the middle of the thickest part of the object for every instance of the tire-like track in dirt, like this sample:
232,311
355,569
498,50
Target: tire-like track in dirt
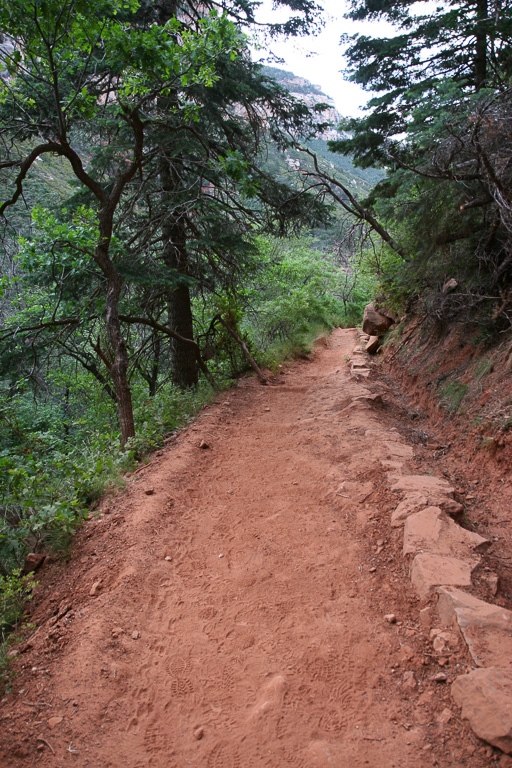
237,622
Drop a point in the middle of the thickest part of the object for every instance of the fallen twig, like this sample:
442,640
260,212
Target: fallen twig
40,738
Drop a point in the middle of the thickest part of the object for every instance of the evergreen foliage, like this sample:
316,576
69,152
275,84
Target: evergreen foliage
440,126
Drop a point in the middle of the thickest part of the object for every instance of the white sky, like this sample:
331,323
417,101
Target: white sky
319,59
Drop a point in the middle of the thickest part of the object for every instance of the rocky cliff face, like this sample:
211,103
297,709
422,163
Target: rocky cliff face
311,95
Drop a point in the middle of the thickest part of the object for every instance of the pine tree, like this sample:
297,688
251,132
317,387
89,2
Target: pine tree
457,50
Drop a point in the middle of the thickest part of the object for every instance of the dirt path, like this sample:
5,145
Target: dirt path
239,595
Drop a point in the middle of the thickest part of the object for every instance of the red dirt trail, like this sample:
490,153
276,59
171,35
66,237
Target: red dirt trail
239,620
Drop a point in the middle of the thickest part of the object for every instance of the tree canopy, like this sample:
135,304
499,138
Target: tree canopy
161,116
436,57
438,122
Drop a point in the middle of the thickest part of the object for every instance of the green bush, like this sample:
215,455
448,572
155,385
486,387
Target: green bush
15,590
295,293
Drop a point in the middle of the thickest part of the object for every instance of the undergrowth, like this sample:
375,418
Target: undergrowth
15,591
59,435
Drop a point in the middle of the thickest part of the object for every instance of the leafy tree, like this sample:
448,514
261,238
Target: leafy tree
56,84
210,190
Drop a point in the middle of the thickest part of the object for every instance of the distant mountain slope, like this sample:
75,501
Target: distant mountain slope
358,180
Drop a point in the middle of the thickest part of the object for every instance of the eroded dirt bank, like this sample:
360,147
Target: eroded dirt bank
239,594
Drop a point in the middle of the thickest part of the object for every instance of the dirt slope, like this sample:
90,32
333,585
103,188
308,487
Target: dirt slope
239,595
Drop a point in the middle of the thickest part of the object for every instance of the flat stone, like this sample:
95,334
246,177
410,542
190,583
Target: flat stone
432,530
398,450
426,484
486,628
392,464
408,506
485,696
430,570
354,490
364,372
54,721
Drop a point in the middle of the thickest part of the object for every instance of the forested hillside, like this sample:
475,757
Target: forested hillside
158,239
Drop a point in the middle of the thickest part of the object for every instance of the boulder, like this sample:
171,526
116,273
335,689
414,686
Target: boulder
430,570
432,530
374,323
485,696
32,563
486,628
373,345
383,309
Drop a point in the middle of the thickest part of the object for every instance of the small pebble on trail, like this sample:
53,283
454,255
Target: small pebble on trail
390,618
135,634
204,445
168,558
149,491
221,555
198,734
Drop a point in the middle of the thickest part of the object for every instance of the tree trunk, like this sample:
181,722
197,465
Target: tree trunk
119,365
183,366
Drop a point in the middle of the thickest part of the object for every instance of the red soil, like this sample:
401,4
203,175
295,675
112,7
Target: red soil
239,619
